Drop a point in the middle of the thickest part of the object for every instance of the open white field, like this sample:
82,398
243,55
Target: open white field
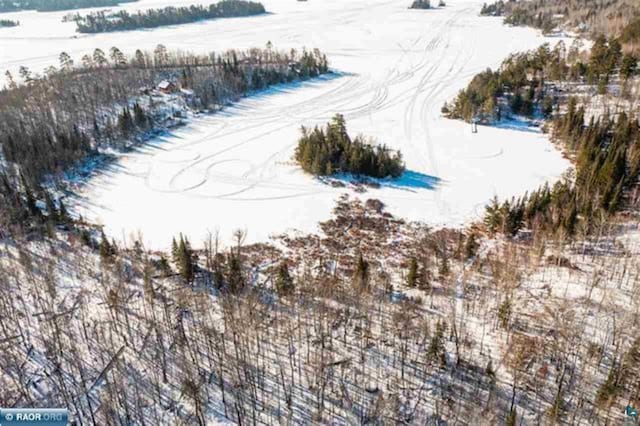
233,169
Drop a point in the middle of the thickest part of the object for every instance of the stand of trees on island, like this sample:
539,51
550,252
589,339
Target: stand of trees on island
52,122
100,22
8,23
324,152
56,5
425,4
420,4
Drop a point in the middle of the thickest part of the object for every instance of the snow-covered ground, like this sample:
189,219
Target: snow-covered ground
395,68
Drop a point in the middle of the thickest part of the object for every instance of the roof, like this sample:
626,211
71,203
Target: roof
164,84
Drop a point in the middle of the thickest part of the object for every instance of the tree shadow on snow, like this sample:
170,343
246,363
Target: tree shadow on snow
410,180
519,124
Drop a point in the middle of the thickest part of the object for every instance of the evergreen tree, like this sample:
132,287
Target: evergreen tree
235,276
412,275
52,211
284,282
183,257
471,246
63,215
492,217
107,250
504,313
361,274
436,349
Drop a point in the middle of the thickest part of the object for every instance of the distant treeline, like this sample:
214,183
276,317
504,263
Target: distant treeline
420,4
100,22
55,5
8,23
519,85
52,122
595,17
324,152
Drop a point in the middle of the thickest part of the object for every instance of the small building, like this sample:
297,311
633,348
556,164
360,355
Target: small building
166,86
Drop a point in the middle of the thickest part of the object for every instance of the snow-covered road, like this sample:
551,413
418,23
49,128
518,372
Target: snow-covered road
396,67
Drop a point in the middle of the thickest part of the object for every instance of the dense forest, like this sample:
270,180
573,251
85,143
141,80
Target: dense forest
124,21
55,5
607,153
606,149
595,17
52,122
526,83
324,152
8,23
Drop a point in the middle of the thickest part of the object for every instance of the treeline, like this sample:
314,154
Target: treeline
594,17
56,5
523,83
8,23
52,122
324,152
607,154
493,9
100,22
420,4
606,150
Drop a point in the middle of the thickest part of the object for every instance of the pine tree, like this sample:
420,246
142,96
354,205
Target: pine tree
183,257
284,282
492,217
412,275
471,246
52,211
63,215
444,269
504,313
30,199
107,251
361,274
436,348
140,117
235,277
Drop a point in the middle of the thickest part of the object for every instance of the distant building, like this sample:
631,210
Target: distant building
166,86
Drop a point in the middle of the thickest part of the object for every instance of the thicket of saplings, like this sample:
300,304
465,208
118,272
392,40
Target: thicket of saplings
50,123
55,5
607,150
329,150
100,22
596,16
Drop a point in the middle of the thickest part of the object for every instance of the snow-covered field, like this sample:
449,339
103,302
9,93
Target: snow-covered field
395,68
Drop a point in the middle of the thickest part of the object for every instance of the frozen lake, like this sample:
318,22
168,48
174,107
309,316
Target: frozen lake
396,67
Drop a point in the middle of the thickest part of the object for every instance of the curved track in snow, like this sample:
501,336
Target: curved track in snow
233,169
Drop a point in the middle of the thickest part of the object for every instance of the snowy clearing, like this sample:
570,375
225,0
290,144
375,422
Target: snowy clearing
395,69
